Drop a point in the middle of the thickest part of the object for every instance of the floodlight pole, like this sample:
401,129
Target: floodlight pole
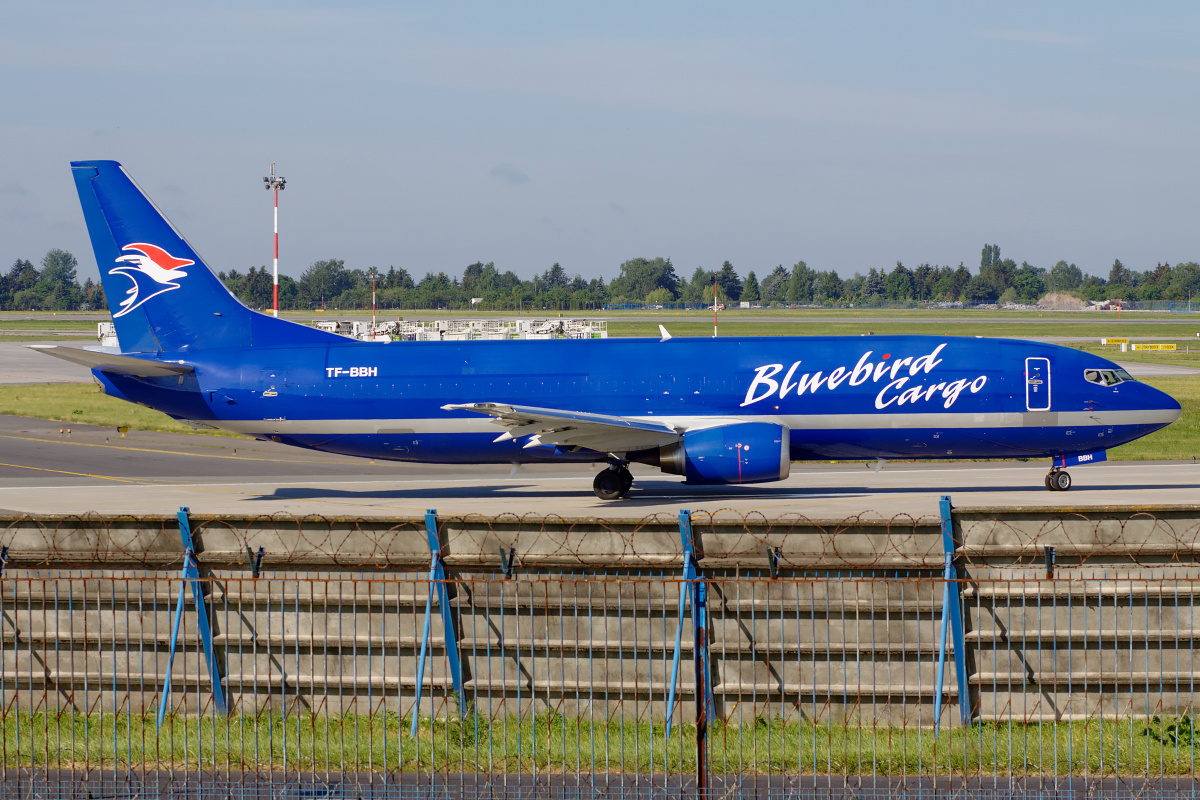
273,183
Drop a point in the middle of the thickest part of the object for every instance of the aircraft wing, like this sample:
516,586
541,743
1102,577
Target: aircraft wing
549,426
113,362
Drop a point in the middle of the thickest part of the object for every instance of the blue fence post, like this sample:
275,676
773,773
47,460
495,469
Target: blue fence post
437,582
697,590
952,614
191,575
704,698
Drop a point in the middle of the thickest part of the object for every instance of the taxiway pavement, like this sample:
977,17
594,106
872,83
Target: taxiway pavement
96,470
19,364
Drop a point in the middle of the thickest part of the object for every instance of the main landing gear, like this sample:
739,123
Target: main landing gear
612,483
1058,480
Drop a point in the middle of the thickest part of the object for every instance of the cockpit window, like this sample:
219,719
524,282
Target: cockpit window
1106,377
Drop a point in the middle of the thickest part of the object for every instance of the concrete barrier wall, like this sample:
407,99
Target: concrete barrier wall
847,627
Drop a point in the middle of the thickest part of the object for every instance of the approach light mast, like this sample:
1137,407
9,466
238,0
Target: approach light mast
276,183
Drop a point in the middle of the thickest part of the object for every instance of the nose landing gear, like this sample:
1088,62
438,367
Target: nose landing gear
1058,480
612,483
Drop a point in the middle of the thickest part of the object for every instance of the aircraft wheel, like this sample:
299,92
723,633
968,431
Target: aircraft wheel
608,484
1060,481
1049,486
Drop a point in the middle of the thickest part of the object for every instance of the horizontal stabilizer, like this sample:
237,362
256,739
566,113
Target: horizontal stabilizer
114,362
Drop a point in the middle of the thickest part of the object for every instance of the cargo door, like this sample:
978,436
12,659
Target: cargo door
1037,384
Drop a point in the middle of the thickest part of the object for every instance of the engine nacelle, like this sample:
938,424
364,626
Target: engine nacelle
747,452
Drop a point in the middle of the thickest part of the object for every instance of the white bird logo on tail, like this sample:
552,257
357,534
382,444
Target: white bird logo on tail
154,264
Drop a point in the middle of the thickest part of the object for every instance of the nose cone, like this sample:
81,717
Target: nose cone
1159,406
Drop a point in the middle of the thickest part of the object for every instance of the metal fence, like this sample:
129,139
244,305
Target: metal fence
1013,668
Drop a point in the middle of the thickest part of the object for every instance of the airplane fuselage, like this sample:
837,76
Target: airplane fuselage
839,397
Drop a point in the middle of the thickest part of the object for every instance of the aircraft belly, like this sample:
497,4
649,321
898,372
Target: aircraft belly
963,442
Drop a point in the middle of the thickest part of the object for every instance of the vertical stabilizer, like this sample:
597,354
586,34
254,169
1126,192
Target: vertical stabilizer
162,295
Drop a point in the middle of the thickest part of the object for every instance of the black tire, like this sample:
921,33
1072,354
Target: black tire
1049,485
608,484
1061,481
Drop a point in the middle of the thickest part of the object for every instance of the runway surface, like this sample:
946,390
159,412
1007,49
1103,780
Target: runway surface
19,364
96,470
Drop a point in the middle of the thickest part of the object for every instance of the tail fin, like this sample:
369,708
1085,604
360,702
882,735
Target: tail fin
162,295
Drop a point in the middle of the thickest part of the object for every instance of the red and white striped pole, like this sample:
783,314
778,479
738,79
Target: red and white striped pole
275,184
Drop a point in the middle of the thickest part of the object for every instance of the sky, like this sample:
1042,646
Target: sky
432,135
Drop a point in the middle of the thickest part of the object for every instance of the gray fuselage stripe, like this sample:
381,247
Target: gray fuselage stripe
935,421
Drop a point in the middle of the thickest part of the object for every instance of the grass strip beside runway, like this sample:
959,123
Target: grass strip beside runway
56,338
914,325
1178,441
85,404
64,323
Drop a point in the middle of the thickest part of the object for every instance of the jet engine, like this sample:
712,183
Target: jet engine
746,452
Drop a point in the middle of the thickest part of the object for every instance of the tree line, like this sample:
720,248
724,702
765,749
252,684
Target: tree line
54,287
654,281
651,281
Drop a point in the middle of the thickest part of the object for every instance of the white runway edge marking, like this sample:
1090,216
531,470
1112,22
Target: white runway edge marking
824,495
894,471
505,479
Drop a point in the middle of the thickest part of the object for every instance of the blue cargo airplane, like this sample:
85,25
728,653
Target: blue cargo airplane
716,411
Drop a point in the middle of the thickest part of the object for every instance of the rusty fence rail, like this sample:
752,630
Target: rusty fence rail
1004,666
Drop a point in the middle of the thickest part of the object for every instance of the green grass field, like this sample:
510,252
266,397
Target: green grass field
1179,440
1188,355
25,337
58,323
759,313
556,744
85,404
924,325
776,322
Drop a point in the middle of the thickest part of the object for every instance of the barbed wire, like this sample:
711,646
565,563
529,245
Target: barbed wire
985,539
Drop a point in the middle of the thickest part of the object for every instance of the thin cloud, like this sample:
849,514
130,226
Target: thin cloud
509,173
14,190
720,82
1033,37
